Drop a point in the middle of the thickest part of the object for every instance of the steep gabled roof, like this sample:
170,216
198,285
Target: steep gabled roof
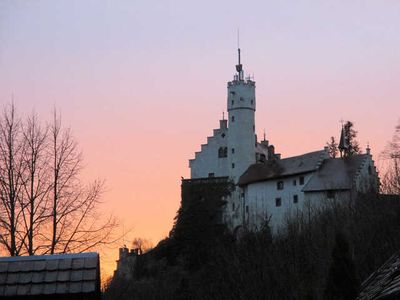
336,174
272,169
49,274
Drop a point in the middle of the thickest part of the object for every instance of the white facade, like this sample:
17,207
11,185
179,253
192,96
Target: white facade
266,201
332,181
212,160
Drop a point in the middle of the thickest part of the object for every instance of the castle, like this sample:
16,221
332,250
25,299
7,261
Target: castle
268,187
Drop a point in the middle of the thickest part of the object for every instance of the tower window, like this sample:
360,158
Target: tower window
233,102
241,99
233,165
295,199
222,152
233,206
278,202
252,101
233,118
301,180
294,182
247,209
233,150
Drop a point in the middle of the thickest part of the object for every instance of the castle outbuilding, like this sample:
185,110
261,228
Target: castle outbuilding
266,186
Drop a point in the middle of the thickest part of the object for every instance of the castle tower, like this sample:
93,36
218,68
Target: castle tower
241,113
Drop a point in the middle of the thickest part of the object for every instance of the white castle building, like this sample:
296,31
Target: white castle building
266,186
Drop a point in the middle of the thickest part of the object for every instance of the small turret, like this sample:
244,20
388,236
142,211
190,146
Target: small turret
368,150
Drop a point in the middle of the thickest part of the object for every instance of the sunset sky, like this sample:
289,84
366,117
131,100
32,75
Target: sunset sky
143,83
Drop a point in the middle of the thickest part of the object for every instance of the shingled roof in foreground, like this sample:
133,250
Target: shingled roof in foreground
61,274
383,283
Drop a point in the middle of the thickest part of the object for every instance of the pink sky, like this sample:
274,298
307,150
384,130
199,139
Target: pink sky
143,83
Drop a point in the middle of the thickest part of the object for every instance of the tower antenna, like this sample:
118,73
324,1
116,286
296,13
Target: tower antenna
238,38
239,68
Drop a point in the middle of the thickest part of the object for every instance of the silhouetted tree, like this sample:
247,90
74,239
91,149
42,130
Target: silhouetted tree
391,179
332,147
142,244
12,147
350,136
36,180
44,206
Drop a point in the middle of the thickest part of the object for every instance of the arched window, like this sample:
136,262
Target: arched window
222,152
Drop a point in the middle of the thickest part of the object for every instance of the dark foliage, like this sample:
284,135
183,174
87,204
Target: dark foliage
342,280
350,136
332,147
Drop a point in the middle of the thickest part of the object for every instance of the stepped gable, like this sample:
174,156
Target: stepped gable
336,174
62,276
278,168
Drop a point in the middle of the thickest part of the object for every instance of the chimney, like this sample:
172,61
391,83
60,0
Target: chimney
271,152
223,124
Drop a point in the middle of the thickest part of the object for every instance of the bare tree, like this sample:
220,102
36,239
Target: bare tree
11,168
36,185
143,245
44,206
391,179
75,220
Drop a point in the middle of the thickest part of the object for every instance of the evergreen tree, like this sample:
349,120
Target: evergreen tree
332,147
350,135
342,283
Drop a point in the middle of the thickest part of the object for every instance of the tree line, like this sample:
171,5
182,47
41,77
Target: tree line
45,207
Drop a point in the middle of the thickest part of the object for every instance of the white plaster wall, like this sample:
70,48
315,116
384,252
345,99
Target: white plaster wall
367,177
318,200
261,197
207,161
241,105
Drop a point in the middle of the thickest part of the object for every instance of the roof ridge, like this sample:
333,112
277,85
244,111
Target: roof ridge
48,256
